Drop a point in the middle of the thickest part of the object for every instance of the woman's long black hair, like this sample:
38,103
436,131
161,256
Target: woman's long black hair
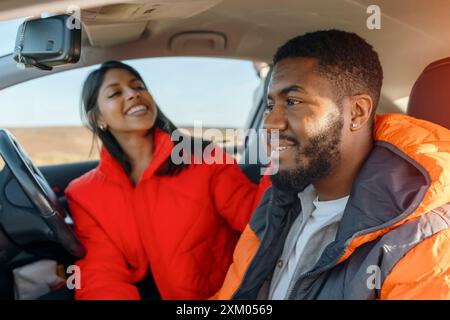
89,95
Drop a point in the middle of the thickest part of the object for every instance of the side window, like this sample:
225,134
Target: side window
44,113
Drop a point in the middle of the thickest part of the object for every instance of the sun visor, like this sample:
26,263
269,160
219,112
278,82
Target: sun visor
125,22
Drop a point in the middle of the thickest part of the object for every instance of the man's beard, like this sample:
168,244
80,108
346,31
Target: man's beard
322,151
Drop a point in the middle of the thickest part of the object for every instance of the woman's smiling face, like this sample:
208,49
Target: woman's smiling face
124,103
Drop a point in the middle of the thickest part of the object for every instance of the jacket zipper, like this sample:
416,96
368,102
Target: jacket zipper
311,273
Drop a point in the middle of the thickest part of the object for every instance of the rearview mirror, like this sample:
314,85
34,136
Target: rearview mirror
48,42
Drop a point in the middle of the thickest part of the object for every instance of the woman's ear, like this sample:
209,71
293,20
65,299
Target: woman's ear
96,121
91,118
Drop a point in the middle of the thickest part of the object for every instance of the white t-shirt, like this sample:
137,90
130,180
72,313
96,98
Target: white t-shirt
324,213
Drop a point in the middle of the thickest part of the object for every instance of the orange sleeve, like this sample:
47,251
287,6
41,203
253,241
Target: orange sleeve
423,273
243,255
104,271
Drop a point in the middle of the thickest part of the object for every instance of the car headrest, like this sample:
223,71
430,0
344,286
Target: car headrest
430,97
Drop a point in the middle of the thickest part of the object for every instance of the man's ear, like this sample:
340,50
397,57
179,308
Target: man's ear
361,111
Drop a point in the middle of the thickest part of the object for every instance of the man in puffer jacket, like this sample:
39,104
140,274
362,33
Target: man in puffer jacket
359,206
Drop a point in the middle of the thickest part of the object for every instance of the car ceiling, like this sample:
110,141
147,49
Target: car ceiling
413,32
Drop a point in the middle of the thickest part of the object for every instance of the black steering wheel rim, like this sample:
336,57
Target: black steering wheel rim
39,192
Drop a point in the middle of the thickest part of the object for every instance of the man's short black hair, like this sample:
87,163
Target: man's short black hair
344,58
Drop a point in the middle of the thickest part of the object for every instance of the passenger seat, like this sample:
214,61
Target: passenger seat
430,96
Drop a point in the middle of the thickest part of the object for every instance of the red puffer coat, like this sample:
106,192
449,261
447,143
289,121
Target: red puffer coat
184,227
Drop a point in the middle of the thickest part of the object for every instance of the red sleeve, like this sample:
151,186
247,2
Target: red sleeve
104,271
235,196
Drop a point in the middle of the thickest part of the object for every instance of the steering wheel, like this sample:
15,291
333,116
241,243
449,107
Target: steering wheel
39,192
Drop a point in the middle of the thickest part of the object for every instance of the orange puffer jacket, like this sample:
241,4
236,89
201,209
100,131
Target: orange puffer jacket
393,241
183,227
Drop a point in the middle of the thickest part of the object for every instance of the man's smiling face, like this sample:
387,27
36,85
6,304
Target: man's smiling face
303,108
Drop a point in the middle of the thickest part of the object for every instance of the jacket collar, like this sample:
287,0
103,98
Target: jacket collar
406,176
162,148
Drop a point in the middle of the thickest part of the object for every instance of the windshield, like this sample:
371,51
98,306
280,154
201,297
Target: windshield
8,30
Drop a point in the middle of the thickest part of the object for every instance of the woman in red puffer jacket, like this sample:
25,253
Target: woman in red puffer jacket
141,209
